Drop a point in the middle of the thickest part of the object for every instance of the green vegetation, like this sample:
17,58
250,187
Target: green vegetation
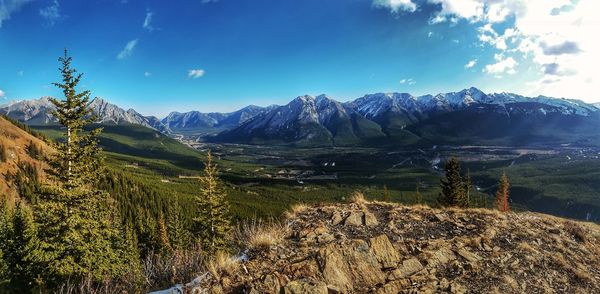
454,186
212,224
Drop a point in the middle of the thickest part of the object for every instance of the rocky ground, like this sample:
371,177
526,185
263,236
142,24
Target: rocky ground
387,248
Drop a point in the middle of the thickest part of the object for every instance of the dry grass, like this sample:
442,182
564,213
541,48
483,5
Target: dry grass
358,198
583,275
222,264
511,282
576,231
296,209
180,266
258,235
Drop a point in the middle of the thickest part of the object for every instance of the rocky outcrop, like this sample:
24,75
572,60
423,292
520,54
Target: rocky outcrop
385,248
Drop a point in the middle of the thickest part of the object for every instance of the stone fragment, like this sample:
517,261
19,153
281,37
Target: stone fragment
305,287
370,219
393,287
466,254
384,251
336,218
354,219
441,257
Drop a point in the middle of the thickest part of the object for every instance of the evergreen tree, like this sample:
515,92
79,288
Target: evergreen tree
213,223
5,234
453,187
468,187
163,235
178,235
78,232
22,254
33,150
418,196
3,153
386,194
502,194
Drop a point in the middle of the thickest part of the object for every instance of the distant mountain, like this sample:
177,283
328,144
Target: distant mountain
39,112
468,116
306,120
196,122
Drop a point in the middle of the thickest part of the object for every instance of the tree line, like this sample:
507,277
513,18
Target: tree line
456,188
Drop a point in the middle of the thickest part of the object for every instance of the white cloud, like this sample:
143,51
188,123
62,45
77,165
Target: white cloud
558,37
128,50
502,65
396,5
2,94
472,10
429,34
51,13
147,73
195,73
8,7
148,21
471,63
408,81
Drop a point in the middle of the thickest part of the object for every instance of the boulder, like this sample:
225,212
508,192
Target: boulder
441,257
384,251
370,219
409,267
354,219
349,265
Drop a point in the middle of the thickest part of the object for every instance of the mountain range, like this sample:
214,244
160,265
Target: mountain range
467,116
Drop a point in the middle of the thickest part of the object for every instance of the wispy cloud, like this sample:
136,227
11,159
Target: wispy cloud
51,13
2,94
471,63
195,73
8,7
396,5
148,21
128,50
409,81
147,73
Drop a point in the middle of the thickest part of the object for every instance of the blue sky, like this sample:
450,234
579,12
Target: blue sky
162,56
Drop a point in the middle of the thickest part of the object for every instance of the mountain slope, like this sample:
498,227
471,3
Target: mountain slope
306,120
387,248
15,141
468,116
38,112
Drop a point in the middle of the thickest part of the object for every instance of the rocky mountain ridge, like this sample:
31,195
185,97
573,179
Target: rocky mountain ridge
398,118
387,248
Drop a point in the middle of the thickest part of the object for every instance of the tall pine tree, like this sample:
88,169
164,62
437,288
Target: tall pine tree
212,225
79,231
453,186
502,194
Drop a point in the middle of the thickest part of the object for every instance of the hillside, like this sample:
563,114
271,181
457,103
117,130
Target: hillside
386,248
16,141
